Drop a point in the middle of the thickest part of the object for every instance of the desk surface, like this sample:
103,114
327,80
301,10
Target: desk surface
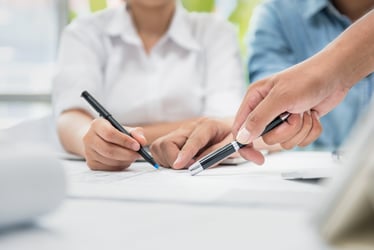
247,211
86,224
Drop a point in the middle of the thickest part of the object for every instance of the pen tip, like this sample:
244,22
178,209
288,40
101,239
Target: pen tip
156,166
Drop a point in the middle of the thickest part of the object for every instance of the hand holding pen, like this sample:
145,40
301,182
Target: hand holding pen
108,145
224,152
192,141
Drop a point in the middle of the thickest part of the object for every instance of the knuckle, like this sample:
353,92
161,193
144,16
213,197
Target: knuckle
154,146
252,121
195,142
108,152
108,134
270,140
163,144
287,145
96,123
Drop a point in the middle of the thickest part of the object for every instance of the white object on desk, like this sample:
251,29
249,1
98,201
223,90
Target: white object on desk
32,183
313,165
309,174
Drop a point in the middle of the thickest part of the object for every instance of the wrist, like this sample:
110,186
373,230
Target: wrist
332,70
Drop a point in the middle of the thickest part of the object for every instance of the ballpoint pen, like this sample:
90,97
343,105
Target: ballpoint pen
229,149
106,115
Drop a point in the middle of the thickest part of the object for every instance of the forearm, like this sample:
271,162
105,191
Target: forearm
72,126
352,53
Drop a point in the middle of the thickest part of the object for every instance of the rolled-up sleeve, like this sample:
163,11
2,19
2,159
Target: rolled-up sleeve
225,78
79,68
268,48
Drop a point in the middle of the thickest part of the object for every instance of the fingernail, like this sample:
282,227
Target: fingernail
143,137
178,160
244,136
135,146
140,134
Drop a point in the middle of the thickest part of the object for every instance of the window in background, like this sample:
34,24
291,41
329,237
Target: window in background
29,34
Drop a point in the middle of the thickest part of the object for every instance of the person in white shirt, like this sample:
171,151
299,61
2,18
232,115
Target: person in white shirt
154,66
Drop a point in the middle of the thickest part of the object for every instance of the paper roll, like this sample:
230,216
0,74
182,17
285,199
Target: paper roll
32,183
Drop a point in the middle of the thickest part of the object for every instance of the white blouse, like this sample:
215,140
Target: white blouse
194,70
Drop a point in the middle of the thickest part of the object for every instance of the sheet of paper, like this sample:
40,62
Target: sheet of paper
235,185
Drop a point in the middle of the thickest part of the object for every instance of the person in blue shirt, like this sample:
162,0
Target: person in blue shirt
286,32
318,84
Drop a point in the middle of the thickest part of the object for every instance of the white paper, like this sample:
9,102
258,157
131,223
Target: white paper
236,185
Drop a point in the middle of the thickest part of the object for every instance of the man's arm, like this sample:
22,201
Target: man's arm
318,84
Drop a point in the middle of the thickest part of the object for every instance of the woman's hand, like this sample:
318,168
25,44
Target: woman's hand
108,149
192,141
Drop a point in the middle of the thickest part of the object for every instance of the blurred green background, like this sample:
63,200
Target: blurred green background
240,16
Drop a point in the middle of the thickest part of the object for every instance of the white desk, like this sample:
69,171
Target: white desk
125,225
250,216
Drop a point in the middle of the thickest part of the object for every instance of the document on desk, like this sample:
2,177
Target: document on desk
245,184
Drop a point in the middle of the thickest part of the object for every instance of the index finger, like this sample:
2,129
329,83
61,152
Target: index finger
108,133
198,140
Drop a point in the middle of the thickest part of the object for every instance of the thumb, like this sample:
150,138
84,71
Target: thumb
257,120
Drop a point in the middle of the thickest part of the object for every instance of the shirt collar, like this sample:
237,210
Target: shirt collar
121,25
316,6
313,7
179,31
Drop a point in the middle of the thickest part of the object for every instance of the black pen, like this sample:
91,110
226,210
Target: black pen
106,115
224,152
